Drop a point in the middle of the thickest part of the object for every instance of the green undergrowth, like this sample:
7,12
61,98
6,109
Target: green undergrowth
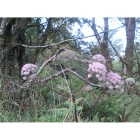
42,104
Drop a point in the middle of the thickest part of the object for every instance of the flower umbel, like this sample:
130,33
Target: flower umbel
112,80
130,81
100,69
28,69
99,58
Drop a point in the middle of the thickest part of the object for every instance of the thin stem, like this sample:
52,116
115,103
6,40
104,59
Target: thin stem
70,77
81,89
75,110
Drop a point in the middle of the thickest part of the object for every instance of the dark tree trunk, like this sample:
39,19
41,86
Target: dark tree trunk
13,30
130,34
104,45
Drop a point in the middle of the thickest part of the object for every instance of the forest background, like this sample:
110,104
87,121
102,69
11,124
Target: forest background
128,70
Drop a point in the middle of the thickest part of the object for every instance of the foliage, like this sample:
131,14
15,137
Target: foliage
116,108
63,98
108,110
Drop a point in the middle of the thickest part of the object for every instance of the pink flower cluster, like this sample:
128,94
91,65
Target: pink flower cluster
113,80
100,69
99,58
27,69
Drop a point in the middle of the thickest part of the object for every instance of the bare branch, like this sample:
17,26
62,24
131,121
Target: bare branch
35,80
73,72
55,90
117,53
55,75
93,26
65,41
50,60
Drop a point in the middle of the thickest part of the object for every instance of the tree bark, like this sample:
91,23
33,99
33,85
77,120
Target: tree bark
10,35
130,34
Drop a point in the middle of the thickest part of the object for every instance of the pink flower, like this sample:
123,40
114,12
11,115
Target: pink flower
110,87
113,80
100,79
99,58
33,69
117,86
97,71
27,68
89,76
107,83
100,72
122,90
97,75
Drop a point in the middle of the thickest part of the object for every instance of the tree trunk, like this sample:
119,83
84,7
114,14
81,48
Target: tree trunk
130,34
12,32
103,44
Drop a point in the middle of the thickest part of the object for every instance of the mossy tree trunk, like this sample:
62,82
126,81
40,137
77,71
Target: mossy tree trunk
12,55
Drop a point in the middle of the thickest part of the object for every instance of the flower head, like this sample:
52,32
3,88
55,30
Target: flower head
130,80
27,69
112,80
100,69
115,80
99,58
